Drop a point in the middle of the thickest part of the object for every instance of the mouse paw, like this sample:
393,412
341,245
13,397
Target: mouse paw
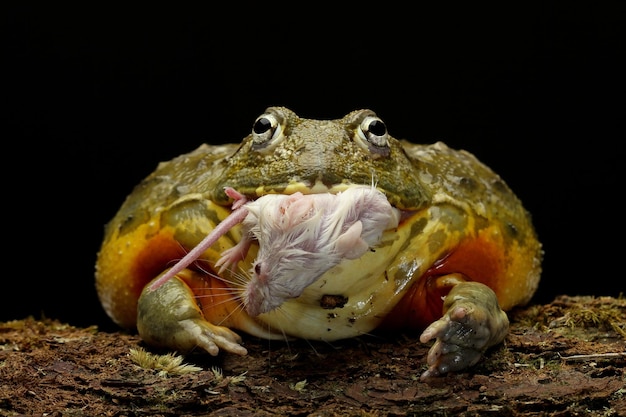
472,322
230,257
169,317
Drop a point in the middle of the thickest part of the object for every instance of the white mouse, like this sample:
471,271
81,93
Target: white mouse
303,236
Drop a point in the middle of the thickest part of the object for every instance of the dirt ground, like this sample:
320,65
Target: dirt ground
565,358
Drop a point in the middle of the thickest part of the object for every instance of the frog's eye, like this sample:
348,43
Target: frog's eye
267,131
372,136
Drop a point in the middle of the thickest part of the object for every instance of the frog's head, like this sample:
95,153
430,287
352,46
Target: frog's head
286,154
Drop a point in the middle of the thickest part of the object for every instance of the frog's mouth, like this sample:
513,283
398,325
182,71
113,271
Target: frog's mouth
318,187
403,194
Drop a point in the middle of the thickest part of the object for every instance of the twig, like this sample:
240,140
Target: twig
594,356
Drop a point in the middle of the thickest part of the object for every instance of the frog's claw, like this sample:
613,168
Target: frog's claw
472,322
169,317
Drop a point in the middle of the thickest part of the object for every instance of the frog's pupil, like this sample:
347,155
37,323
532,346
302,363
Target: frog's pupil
377,127
261,126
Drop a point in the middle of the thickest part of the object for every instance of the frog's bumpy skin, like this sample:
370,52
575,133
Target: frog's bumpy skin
456,218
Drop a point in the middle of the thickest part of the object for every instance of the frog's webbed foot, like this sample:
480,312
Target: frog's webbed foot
169,317
472,322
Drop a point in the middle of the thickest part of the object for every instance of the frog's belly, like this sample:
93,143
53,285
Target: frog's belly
398,285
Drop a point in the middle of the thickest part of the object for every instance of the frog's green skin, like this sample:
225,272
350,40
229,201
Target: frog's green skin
462,230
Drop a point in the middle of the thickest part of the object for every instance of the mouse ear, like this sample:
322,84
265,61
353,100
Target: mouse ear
349,244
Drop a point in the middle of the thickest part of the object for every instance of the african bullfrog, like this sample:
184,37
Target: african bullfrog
453,248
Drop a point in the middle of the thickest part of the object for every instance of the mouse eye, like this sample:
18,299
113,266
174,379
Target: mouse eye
371,134
257,268
267,131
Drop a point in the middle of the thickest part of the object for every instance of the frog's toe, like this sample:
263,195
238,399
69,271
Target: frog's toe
169,317
455,347
200,333
472,322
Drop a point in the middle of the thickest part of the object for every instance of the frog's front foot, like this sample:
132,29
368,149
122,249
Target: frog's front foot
472,322
169,317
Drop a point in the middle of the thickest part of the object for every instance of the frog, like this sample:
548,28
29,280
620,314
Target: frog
455,252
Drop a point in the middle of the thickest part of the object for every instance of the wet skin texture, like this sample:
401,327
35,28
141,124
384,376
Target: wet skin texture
463,252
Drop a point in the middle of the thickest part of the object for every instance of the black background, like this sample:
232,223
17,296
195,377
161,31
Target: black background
96,97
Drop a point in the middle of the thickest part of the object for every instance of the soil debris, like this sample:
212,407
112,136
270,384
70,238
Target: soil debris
564,358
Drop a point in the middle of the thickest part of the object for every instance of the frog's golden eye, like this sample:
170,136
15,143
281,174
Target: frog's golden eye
372,136
267,131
